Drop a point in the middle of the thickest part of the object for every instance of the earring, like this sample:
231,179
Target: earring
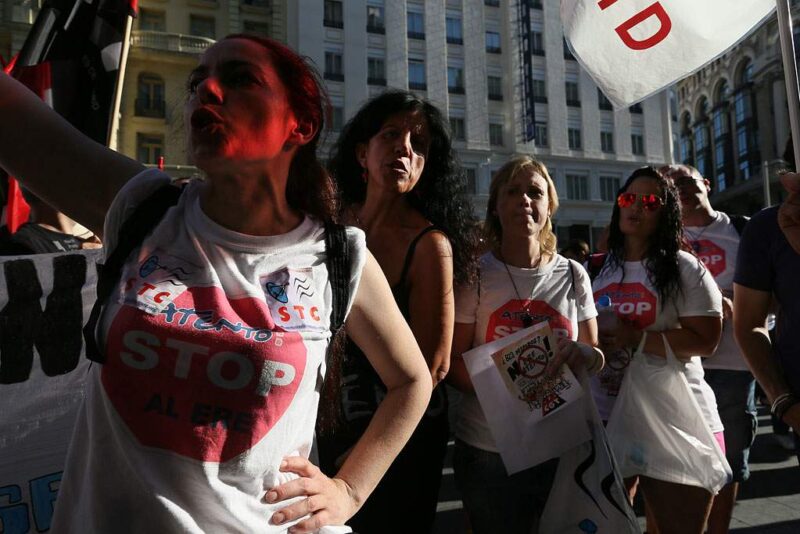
364,175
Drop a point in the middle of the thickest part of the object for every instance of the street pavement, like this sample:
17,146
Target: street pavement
769,503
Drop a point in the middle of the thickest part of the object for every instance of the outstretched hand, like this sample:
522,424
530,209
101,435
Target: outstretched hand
328,501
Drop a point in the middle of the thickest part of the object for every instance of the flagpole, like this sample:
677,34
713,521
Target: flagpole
790,73
113,124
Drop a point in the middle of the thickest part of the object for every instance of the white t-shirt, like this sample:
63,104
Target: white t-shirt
637,300
215,344
716,245
493,306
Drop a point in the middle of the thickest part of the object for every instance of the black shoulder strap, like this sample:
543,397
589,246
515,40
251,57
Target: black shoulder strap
131,235
739,222
337,255
411,248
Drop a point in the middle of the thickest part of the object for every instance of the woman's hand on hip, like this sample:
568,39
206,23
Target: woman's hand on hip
328,501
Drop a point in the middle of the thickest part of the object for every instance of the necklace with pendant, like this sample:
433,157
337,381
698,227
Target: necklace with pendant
527,318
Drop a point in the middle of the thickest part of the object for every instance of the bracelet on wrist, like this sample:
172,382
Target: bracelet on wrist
782,404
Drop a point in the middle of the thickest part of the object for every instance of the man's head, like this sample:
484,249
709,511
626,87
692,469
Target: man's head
692,188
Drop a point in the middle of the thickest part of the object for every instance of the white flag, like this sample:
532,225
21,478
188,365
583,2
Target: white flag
634,48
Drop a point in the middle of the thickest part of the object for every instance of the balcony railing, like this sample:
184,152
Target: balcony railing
170,42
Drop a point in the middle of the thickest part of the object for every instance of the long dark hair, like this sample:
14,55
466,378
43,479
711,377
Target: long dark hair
440,194
661,257
309,188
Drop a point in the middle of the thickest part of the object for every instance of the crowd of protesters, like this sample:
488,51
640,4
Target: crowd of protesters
421,286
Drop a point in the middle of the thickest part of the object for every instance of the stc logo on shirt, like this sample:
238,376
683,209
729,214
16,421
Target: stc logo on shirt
205,377
293,299
712,256
632,302
507,319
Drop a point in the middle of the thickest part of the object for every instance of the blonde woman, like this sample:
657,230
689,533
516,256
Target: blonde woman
522,281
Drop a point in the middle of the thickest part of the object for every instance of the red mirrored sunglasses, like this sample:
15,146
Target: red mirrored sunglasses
650,202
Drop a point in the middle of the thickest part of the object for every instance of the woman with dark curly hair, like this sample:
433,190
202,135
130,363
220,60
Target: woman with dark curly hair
400,183
657,288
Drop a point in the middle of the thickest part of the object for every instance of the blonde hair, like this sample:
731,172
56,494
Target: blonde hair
548,243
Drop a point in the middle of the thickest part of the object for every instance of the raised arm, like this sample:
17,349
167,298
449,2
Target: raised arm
378,328
431,302
57,162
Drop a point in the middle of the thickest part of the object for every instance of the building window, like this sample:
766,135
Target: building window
337,118
574,138
457,129
154,21
743,106
375,20
496,134
567,52
572,93
493,3
203,26
603,102
150,96
607,142
455,34
636,108
254,27
376,71
455,80
257,3
471,179
609,185
333,14
539,91
535,4
333,67
493,43
495,85
540,134
537,43
577,187
149,148
637,144
416,74
416,25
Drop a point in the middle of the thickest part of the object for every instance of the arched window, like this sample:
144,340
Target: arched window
150,96
723,143
748,154
687,151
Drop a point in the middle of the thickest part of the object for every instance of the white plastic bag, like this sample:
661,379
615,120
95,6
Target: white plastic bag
587,493
658,430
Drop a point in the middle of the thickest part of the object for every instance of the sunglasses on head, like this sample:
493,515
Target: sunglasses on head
650,202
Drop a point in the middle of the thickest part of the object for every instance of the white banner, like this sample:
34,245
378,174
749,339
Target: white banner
634,48
44,300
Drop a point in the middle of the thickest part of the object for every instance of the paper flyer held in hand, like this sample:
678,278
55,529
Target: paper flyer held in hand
532,419
522,366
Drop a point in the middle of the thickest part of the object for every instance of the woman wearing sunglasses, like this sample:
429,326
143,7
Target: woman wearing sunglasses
657,288
522,281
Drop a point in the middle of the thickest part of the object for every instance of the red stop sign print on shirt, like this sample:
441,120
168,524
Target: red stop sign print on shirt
507,319
205,377
632,302
712,256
